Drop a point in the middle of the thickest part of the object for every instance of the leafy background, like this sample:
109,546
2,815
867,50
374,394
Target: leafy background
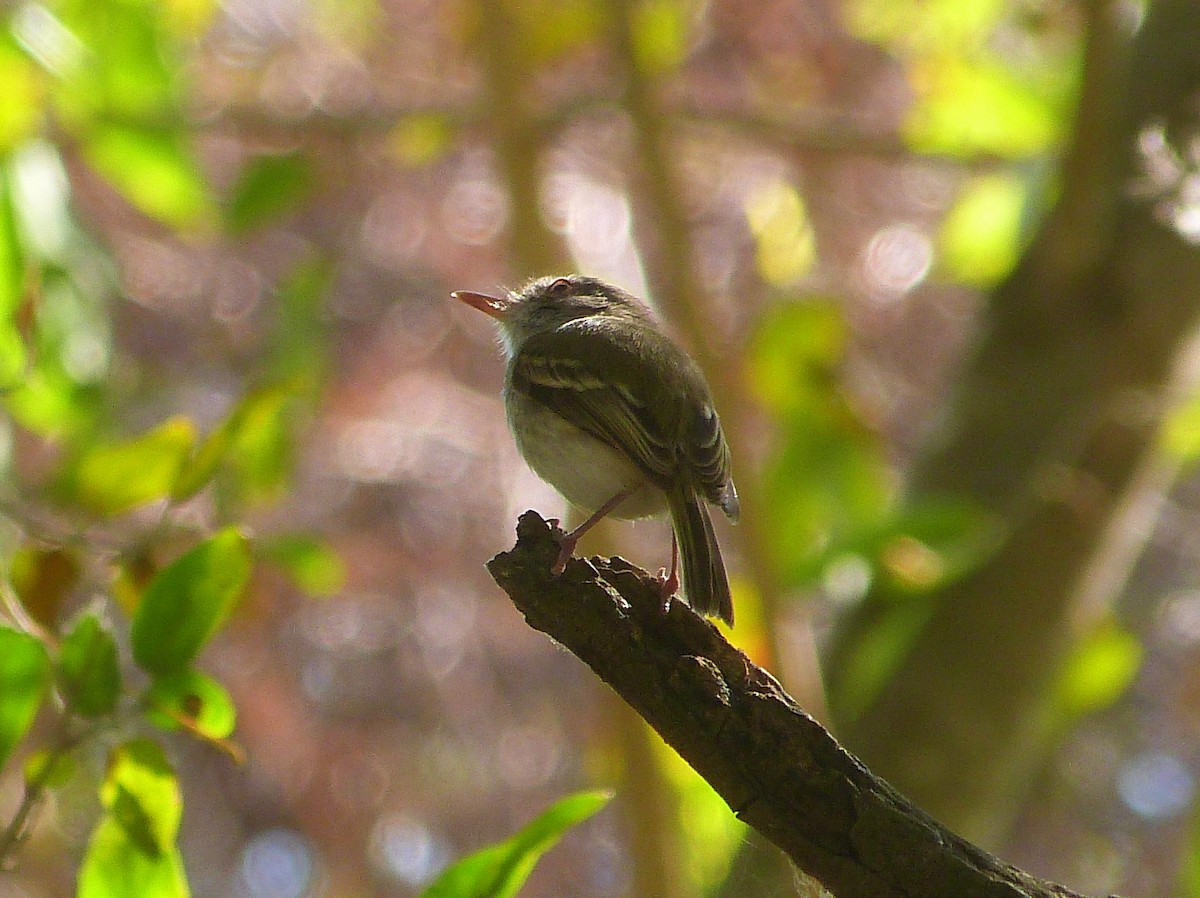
254,459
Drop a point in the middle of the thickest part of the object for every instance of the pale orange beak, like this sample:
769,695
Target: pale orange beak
495,306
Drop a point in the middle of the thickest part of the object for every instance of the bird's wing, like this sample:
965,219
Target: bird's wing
590,382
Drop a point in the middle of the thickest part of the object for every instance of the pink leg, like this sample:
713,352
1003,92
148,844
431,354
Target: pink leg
567,541
670,582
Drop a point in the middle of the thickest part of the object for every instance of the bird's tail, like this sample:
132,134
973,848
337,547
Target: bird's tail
705,583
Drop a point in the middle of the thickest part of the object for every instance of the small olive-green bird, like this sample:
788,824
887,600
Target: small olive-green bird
617,418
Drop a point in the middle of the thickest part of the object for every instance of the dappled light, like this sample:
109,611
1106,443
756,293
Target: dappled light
255,459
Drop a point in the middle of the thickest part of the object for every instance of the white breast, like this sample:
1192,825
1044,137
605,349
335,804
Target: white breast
586,471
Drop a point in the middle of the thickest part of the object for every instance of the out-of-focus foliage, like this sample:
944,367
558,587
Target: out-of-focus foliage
24,674
133,849
980,236
1100,671
226,235
976,92
187,601
500,870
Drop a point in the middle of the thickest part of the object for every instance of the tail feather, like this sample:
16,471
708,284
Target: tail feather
705,583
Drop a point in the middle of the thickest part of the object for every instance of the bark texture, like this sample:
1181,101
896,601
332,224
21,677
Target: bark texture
779,770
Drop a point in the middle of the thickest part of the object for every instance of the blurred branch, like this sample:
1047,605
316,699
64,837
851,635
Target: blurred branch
516,139
829,131
780,771
1053,428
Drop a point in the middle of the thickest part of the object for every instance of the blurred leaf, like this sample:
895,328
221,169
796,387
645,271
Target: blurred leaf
40,193
42,579
140,791
827,482
88,669
1189,870
49,403
195,697
189,18
711,834
46,39
935,541
154,170
786,242
21,101
133,575
24,675
132,853
116,867
261,442
12,355
300,336
129,69
267,188
420,139
50,769
981,235
314,566
1100,670
660,34
793,357
965,108
1180,435
548,29
112,479
238,436
877,651
500,870
187,602
12,256
916,25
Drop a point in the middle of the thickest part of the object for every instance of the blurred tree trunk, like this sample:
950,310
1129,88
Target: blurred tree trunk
1053,415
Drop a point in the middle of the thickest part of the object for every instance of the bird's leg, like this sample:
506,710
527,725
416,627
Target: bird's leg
567,541
669,583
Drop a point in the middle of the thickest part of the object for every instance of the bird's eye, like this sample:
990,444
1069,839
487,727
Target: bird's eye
561,287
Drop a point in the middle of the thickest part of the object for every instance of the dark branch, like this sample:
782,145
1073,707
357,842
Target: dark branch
779,770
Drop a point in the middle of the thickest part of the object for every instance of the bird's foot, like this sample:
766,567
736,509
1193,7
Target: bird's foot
668,587
566,546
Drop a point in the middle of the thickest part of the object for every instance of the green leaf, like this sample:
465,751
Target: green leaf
1100,670
500,870
140,792
187,602
12,355
12,255
116,867
88,670
236,441
268,187
660,34
1181,431
260,446
300,335
132,853
24,675
154,170
314,566
112,479
981,106
49,769
21,104
195,697
980,237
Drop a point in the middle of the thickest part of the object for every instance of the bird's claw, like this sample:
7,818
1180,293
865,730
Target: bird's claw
566,547
668,586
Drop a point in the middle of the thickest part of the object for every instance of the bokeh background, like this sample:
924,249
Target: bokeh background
937,257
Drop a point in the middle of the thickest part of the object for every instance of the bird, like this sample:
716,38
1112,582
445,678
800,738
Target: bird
619,419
